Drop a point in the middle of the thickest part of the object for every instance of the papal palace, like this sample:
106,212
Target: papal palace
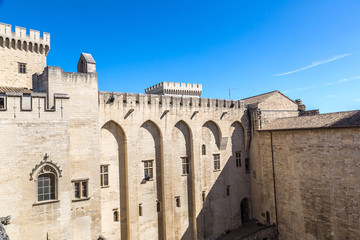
82,164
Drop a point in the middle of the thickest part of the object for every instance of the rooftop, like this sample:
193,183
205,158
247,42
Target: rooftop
328,120
262,97
15,89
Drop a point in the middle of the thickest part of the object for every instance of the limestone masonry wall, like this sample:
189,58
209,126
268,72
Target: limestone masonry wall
20,47
316,174
165,129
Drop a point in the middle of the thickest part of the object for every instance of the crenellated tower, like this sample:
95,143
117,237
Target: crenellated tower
176,89
22,54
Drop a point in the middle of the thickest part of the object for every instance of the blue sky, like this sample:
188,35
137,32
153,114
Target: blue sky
306,49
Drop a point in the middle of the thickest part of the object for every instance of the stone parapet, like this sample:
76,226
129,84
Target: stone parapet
171,101
174,88
31,106
19,39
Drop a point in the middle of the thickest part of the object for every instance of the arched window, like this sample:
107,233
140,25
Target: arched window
46,184
46,176
203,149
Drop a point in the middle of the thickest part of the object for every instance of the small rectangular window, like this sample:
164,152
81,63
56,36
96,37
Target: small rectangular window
177,199
158,206
203,149
238,159
116,215
228,190
81,189
2,102
216,161
185,165
22,68
140,210
104,175
148,169
203,196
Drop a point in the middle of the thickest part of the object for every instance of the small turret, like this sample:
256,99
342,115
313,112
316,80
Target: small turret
86,64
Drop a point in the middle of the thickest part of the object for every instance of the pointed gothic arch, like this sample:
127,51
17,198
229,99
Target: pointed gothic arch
113,151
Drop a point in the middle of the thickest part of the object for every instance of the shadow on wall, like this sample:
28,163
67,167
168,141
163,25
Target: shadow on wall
352,120
226,206
221,212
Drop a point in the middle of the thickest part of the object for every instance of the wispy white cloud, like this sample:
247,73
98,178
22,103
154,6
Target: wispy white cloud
299,89
314,64
342,81
357,99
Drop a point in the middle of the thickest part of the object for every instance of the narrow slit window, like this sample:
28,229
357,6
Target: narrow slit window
203,196
140,210
216,162
158,206
247,165
228,190
116,216
177,200
238,159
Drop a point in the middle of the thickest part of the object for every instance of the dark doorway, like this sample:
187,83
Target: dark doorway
268,218
244,210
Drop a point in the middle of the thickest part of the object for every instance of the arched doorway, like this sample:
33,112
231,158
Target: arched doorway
244,210
267,218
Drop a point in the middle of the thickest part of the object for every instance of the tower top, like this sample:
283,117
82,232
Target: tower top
19,39
174,88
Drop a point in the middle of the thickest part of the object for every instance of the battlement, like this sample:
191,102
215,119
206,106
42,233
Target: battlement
20,40
134,99
175,88
26,105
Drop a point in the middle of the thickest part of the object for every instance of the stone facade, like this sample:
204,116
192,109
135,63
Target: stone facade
143,166
19,48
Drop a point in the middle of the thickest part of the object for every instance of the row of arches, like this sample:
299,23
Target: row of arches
150,189
24,46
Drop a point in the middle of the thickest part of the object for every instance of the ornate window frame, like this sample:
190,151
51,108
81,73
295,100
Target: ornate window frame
46,167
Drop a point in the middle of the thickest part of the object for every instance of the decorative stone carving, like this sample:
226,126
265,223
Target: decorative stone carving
45,166
4,221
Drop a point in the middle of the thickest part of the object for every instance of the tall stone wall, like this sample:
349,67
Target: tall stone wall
166,129
30,140
316,174
68,133
82,89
